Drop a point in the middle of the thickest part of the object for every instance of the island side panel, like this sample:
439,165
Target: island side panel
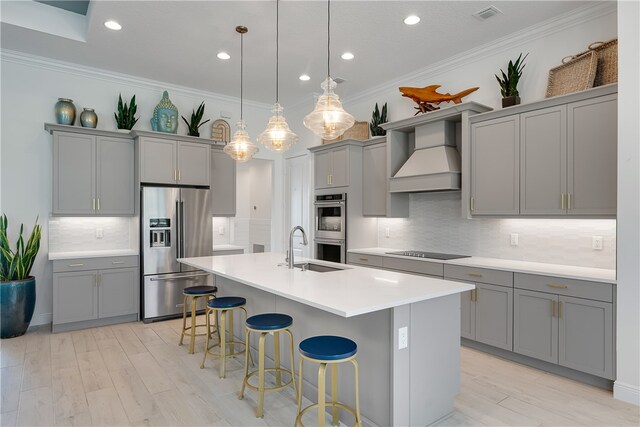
401,370
434,341
372,333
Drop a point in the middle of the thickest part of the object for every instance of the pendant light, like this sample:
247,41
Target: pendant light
241,148
277,136
328,120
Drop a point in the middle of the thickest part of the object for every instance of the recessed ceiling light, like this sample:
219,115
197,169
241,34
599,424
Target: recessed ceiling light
223,55
304,78
347,56
113,25
411,20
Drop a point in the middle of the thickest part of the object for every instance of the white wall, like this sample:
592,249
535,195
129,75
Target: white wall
30,87
627,385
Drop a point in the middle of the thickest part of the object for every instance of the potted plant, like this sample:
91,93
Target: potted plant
509,82
376,119
196,116
125,116
17,288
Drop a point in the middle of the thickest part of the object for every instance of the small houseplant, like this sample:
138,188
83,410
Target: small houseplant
194,124
509,81
376,119
17,288
125,116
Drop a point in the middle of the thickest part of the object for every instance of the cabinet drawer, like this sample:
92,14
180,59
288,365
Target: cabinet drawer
360,259
81,264
480,275
569,287
413,266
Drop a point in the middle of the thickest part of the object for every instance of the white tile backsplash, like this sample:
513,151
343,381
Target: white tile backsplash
71,234
435,224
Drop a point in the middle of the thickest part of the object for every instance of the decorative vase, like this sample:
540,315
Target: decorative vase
65,112
89,118
17,302
510,101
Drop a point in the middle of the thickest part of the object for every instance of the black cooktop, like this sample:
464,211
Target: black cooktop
432,255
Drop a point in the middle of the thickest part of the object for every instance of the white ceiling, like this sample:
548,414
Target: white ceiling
177,41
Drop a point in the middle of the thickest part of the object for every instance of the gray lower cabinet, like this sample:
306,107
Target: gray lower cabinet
92,175
494,313
573,331
170,161
468,315
495,167
374,183
94,291
223,183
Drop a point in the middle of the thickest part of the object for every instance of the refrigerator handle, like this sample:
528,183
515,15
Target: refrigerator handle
182,219
178,229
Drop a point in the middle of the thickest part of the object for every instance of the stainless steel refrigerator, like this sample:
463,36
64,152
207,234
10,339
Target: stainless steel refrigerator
176,223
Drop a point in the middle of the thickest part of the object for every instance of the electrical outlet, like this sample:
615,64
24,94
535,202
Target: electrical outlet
403,337
221,230
99,233
514,239
597,243
386,232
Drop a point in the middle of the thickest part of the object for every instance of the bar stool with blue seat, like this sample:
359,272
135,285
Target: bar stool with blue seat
268,324
193,295
328,350
224,307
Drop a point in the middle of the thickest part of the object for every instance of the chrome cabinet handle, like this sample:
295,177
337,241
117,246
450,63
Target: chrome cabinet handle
471,202
98,203
179,175
76,265
93,204
175,174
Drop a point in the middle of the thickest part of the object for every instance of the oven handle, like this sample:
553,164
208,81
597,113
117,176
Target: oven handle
330,241
330,203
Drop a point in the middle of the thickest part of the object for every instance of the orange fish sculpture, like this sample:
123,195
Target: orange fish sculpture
428,97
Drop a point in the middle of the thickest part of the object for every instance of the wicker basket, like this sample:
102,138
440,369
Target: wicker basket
607,52
573,76
359,131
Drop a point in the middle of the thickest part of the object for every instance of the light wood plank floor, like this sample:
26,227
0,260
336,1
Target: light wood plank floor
135,374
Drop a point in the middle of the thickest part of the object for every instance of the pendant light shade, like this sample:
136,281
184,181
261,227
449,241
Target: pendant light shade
241,148
277,136
328,120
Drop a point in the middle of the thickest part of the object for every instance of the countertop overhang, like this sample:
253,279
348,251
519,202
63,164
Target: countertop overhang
347,293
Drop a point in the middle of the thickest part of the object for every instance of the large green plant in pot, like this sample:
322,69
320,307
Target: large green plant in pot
17,288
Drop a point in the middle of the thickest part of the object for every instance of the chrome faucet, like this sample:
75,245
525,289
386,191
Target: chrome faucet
290,251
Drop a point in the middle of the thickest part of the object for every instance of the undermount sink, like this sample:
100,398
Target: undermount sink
319,268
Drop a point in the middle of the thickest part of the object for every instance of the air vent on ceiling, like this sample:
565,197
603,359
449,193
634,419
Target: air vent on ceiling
487,13
338,80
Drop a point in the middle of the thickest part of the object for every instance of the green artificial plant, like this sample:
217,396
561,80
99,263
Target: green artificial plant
125,116
196,116
509,81
376,119
16,265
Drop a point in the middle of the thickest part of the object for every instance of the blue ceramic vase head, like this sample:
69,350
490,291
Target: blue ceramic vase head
165,116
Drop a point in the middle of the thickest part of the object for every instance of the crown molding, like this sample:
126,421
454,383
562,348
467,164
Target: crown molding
113,77
534,32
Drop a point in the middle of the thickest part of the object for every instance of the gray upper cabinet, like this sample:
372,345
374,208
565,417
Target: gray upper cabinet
332,168
543,161
592,146
495,167
374,185
494,314
223,183
92,175
170,161
535,325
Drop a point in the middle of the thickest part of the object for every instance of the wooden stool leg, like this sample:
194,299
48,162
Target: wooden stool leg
223,342
184,318
321,394
358,418
206,343
335,418
192,341
276,357
246,364
299,394
261,375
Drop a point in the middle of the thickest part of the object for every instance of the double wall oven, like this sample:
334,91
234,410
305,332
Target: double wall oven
331,227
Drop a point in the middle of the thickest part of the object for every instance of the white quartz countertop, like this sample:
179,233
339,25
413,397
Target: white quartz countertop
92,254
558,270
349,292
221,248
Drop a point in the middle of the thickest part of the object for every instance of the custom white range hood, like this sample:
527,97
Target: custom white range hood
428,144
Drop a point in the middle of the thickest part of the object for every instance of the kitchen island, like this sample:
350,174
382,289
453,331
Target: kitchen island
414,385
